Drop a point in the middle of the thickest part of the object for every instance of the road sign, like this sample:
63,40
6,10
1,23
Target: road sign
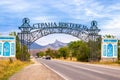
109,48
7,46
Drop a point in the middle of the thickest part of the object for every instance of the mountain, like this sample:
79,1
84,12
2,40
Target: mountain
36,46
56,45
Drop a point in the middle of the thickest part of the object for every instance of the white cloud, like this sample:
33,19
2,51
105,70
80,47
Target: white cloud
93,13
113,23
79,2
112,27
81,9
14,5
114,32
39,19
114,7
4,2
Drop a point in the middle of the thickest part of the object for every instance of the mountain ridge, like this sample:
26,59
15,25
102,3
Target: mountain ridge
55,45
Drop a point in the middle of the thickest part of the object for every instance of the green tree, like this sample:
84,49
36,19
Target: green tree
80,50
53,53
49,52
21,55
95,49
26,55
37,54
56,54
73,46
40,54
64,52
18,48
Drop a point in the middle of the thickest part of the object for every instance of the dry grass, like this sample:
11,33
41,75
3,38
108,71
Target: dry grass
7,68
68,59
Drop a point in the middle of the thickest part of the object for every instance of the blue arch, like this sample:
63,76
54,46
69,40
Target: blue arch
6,49
110,50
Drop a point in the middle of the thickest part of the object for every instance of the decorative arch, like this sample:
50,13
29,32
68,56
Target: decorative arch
29,33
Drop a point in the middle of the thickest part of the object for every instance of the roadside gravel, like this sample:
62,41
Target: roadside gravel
36,71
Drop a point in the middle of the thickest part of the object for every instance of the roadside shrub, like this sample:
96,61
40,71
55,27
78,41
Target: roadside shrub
10,60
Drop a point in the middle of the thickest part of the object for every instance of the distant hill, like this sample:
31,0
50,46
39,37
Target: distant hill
36,46
56,45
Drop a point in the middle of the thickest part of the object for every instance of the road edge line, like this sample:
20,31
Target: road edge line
55,71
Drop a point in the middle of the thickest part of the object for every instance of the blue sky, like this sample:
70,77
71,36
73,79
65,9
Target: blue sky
105,12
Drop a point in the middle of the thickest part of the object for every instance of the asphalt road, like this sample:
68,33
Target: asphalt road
82,71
